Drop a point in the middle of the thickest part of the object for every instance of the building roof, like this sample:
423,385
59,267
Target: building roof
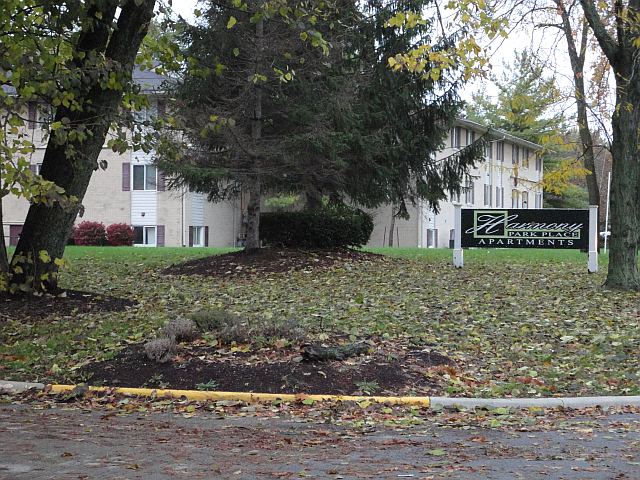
149,80
497,133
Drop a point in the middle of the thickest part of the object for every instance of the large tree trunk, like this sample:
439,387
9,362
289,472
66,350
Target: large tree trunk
48,228
625,190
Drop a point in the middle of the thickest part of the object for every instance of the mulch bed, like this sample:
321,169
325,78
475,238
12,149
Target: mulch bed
269,260
71,302
248,372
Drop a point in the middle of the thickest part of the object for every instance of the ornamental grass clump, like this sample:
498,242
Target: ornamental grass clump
160,349
181,329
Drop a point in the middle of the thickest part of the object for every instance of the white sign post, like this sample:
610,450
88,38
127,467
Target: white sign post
458,254
593,238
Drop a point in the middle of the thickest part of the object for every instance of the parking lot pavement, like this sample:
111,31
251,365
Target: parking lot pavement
73,443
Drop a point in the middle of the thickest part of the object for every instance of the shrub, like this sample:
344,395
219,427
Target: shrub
181,330
160,349
212,319
330,227
89,233
120,235
230,328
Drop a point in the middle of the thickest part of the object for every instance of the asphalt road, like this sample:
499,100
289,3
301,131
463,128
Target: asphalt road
85,444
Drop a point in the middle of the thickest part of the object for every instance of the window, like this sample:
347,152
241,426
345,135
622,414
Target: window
487,195
488,150
144,177
525,199
538,200
500,151
515,197
499,197
144,236
538,163
525,158
488,189
515,154
469,191
471,137
456,137
197,236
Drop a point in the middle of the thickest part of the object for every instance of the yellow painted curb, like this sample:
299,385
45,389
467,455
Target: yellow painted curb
244,396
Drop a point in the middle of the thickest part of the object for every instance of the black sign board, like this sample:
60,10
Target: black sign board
525,228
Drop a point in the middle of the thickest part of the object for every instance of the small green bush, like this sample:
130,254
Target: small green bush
330,227
211,319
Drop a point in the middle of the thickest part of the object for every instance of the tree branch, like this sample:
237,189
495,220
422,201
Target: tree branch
608,44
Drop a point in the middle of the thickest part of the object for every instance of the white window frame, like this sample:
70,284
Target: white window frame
538,200
500,150
197,233
145,167
469,192
515,198
145,235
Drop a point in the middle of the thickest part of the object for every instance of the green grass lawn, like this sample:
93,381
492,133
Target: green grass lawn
517,322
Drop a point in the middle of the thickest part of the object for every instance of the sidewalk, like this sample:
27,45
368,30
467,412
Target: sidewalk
81,444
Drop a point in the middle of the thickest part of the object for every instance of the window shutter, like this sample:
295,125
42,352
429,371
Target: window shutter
161,185
206,236
162,107
191,236
32,114
160,235
14,234
126,176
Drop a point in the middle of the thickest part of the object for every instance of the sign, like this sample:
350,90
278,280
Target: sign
525,228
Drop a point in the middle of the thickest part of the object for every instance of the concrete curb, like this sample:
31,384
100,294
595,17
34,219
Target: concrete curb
549,402
433,402
19,387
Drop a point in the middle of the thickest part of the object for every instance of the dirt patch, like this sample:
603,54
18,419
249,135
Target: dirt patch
269,260
72,302
375,374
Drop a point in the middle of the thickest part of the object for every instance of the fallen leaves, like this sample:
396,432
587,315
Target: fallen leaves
500,318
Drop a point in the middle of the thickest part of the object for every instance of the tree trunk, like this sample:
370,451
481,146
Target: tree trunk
4,259
48,228
313,199
392,227
252,240
625,183
577,59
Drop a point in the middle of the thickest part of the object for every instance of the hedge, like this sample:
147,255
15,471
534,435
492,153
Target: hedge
330,227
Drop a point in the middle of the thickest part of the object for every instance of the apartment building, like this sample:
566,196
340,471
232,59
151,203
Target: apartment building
509,177
131,190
